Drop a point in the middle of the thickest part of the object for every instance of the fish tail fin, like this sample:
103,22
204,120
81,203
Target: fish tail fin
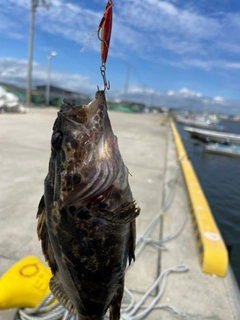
115,306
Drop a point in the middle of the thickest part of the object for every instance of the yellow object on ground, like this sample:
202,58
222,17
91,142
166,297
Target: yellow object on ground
25,284
164,118
211,247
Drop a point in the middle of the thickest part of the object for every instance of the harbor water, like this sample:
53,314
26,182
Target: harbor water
219,176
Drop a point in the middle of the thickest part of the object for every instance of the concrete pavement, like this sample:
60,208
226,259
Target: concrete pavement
149,152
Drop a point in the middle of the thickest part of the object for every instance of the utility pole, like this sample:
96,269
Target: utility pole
51,54
152,99
127,82
144,93
34,5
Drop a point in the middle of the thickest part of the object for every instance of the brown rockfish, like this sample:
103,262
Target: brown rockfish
86,217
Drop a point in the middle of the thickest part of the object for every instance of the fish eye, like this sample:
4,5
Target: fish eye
57,138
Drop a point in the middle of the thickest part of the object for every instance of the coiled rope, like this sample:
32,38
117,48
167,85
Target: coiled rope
48,309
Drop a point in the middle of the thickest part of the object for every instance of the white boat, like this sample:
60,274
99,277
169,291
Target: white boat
199,121
213,136
229,150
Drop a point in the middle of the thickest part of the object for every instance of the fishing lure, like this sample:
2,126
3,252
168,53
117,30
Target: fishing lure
105,27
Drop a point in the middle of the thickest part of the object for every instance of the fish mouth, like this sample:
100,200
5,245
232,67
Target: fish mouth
91,122
99,100
84,114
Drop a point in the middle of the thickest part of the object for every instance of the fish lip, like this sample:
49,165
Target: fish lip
66,106
70,111
99,101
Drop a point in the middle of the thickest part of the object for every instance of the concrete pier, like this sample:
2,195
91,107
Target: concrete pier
149,152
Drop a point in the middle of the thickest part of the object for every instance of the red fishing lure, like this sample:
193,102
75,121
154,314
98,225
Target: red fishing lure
106,27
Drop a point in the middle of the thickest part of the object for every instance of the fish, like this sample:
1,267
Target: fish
87,214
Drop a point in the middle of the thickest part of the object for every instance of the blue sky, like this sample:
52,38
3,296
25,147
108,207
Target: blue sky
179,52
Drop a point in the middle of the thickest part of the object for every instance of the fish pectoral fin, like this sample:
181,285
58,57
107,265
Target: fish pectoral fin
60,295
43,236
125,214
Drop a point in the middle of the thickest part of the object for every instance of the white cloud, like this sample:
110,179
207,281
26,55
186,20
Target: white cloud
205,64
8,26
21,3
135,90
206,101
184,92
15,71
139,26
182,46
182,99
218,99
171,93
170,27
165,7
232,65
147,29
162,15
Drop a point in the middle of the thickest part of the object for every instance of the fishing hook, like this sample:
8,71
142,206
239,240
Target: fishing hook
105,82
99,37
104,19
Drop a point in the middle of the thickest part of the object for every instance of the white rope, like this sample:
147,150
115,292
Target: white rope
145,238
48,309
161,279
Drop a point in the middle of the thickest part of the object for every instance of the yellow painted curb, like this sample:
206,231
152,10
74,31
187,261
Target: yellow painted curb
211,247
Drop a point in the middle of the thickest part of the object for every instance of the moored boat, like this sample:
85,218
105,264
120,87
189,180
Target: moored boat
229,150
213,136
199,121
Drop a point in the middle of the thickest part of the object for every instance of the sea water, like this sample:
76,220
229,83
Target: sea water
219,176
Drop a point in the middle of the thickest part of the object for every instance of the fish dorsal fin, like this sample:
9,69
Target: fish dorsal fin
60,295
125,214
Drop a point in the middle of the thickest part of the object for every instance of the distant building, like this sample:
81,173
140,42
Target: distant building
19,92
124,106
39,95
155,109
10,86
57,93
152,109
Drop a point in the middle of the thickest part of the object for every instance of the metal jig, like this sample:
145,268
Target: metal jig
105,27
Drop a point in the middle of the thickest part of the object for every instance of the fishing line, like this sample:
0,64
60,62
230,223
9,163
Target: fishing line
90,39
